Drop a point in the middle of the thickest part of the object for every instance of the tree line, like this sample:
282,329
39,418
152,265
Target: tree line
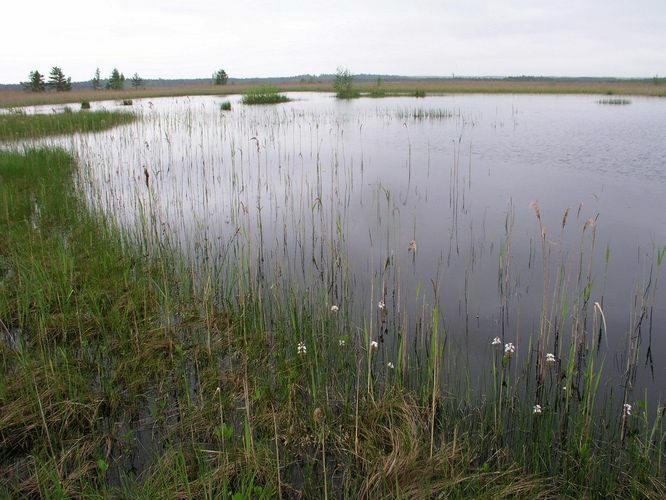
60,83
116,81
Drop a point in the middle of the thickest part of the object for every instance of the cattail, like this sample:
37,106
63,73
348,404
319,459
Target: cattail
564,218
535,206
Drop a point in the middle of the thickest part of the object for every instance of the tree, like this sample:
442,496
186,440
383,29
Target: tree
57,80
116,80
96,81
137,81
343,84
220,77
36,83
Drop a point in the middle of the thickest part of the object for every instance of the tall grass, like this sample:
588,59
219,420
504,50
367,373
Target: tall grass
130,370
19,126
265,94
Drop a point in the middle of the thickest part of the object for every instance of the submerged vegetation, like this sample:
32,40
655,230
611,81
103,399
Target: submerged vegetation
264,94
614,101
19,125
126,374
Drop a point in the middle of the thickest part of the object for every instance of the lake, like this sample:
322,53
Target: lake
500,215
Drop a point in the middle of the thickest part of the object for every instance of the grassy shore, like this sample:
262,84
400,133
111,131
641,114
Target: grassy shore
15,98
124,376
20,126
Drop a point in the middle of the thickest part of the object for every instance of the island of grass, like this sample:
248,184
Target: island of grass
20,125
264,94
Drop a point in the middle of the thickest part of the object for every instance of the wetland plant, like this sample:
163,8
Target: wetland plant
130,371
343,85
616,101
264,94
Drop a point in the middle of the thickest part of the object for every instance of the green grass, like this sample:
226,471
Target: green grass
265,94
377,92
123,376
20,126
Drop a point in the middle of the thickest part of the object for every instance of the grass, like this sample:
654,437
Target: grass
265,94
124,375
20,126
17,98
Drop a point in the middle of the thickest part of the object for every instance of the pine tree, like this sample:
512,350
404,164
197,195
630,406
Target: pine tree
137,81
116,80
96,81
220,77
57,80
36,83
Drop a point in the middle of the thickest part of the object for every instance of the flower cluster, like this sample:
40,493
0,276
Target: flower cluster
537,410
381,305
509,349
390,365
626,410
496,341
550,358
335,308
301,348
374,346
342,342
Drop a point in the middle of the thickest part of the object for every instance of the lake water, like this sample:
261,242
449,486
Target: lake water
414,202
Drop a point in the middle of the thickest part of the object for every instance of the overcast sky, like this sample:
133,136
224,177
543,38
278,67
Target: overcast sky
192,38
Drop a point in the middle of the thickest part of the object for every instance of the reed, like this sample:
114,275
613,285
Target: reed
138,361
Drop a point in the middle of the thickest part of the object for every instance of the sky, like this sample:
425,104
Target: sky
193,38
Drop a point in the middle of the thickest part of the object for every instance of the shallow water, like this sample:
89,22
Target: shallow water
324,197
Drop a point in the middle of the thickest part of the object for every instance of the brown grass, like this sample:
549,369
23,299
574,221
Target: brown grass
13,98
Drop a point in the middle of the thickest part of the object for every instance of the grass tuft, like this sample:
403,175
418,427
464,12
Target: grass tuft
265,94
19,126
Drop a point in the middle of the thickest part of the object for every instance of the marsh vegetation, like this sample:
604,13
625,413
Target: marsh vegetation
264,94
378,298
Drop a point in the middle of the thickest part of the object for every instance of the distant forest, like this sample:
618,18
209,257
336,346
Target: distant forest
329,78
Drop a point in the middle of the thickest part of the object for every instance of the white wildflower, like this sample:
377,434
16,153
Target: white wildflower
342,342
381,305
301,348
496,341
509,349
626,410
537,410
374,346
550,358
390,365
334,308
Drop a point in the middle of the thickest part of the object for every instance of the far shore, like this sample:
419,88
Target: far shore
16,98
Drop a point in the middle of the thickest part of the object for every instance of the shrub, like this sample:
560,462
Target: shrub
343,85
85,105
225,106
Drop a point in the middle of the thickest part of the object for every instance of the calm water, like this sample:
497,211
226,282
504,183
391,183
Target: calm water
323,198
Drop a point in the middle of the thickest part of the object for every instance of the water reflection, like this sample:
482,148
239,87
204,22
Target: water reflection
414,202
